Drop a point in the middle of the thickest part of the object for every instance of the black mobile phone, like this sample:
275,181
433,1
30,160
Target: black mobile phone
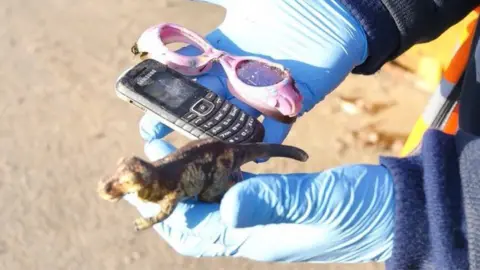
185,105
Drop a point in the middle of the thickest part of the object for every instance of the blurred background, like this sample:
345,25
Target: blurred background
62,128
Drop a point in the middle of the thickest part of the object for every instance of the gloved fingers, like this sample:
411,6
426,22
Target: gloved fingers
203,229
275,131
260,200
314,243
196,229
158,149
342,194
151,127
193,229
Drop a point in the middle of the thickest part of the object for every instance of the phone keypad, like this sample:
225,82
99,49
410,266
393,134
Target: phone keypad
188,127
245,132
218,101
211,96
189,116
198,121
196,132
239,122
214,116
217,117
203,107
231,116
180,123
208,125
226,122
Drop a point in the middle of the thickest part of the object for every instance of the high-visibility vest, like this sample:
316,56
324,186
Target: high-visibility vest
441,111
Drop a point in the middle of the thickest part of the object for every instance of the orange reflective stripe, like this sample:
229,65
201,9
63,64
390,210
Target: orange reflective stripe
457,65
459,59
451,75
451,126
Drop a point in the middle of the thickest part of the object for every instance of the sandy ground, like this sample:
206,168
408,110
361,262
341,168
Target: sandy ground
61,127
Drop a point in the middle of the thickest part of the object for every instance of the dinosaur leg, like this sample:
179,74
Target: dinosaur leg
167,205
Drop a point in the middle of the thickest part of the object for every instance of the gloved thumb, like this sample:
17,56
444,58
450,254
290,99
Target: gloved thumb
157,149
347,193
264,199
152,130
275,131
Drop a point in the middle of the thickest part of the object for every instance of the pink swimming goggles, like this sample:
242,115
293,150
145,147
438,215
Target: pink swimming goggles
262,84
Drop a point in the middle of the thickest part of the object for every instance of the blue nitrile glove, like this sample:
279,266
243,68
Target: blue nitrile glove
317,40
344,215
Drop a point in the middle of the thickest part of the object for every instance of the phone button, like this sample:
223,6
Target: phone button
211,96
224,135
244,133
188,127
198,121
215,130
241,136
219,101
217,117
204,136
226,107
250,122
196,132
209,124
239,123
222,126
234,111
220,114
249,128
230,117
180,123
203,107
189,116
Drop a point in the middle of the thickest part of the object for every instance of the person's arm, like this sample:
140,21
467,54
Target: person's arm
394,26
430,225
468,151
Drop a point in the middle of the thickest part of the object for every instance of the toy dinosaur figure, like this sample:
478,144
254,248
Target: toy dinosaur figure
205,168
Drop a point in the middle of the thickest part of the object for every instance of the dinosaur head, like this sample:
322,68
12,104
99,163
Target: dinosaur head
132,175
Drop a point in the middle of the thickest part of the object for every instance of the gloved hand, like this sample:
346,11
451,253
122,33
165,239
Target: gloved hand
317,40
345,214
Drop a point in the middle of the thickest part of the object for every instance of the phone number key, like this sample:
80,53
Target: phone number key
244,133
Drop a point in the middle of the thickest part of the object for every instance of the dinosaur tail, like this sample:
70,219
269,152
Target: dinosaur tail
253,151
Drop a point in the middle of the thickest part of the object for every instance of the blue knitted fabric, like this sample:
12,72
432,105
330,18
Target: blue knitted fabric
430,231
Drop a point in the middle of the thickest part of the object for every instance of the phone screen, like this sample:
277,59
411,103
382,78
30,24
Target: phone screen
168,90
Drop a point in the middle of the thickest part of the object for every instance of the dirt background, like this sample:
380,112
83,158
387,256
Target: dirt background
61,126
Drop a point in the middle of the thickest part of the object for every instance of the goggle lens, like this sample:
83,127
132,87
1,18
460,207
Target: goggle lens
256,73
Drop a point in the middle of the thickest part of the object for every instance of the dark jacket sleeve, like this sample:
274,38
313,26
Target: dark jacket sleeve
430,226
394,26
